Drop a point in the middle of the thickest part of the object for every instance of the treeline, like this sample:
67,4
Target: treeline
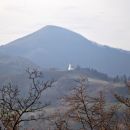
122,78
96,74
93,73
78,110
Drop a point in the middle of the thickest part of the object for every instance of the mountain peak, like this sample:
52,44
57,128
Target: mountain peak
54,27
51,28
54,46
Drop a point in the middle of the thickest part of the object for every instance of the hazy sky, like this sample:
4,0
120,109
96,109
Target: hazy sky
104,21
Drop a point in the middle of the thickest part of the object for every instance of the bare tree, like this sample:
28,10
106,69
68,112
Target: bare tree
89,112
125,101
105,117
61,121
16,108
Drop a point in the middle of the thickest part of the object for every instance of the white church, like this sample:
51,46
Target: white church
70,67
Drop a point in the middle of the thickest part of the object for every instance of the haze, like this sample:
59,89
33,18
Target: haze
103,21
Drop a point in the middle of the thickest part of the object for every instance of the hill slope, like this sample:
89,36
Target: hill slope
11,65
54,46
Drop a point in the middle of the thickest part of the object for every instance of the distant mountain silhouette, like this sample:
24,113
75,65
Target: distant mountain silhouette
54,46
